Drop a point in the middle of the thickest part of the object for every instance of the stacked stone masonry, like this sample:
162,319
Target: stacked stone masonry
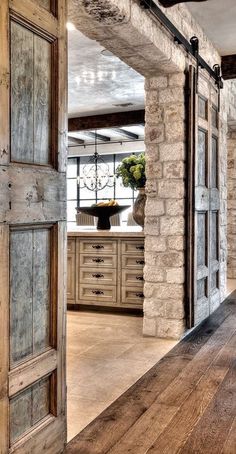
165,208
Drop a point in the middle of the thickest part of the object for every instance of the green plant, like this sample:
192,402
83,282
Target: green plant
132,171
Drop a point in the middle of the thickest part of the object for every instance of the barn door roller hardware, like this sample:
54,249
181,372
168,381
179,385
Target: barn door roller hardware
191,47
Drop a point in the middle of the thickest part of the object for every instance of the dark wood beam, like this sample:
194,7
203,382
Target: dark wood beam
125,133
117,119
94,135
229,67
75,140
169,3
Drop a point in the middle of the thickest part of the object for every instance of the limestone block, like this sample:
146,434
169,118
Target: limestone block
153,274
152,226
176,243
167,259
155,243
154,169
170,225
155,83
175,207
154,307
175,131
177,80
174,112
175,309
154,207
149,326
154,134
175,275
171,95
169,328
174,169
172,152
171,189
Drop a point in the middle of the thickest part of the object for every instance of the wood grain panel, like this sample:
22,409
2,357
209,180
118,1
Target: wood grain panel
35,14
30,96
37,194
30,293
4,338
201,239
28,408
202,158
41,289
4,84
22,88
21,298
214,163
42,99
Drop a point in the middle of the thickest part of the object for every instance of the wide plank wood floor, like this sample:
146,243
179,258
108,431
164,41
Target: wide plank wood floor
185,404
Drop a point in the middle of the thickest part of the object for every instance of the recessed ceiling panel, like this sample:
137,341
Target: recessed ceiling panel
99,82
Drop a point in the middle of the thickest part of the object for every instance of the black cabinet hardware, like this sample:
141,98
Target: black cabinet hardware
98,260
97,246
97,292
98,275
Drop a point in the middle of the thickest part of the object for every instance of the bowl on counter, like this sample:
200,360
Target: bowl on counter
103,213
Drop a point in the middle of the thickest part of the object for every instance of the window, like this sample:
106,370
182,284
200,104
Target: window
77,195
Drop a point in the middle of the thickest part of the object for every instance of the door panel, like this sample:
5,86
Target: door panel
204,200
33,226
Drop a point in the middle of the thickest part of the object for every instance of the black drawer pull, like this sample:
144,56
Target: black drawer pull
98,260
140,248
97,246
98,275
140,262
97,292
139,278
140,295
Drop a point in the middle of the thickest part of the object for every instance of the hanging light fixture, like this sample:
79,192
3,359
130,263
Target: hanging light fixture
96,173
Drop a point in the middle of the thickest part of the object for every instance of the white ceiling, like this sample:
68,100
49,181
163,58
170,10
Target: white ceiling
218,19
100,84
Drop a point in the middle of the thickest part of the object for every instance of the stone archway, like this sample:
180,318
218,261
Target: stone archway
126,30
132,34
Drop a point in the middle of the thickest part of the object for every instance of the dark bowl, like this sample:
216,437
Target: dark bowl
103,214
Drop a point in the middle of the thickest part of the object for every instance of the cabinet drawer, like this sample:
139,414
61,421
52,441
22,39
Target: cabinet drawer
71,245
98,261
133,247
129,261
132,278
99,293
98,247
132,295
104,276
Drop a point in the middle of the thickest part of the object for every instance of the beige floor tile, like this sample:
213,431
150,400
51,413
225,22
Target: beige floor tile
106,354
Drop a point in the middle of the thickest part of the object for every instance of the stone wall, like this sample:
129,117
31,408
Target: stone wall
165,209
231,230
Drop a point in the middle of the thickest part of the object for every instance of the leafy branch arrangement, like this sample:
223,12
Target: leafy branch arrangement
132,171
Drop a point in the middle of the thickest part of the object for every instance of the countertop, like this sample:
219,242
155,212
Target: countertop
115,232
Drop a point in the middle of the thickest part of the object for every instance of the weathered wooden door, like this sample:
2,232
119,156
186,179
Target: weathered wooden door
203,284
32,225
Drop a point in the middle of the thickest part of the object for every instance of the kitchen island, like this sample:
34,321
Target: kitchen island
105,268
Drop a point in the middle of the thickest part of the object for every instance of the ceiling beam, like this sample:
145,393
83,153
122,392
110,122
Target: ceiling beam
75,140
94,135
125,133
117,119
169,3
228,66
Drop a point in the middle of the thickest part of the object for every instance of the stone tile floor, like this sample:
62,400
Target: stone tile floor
106,354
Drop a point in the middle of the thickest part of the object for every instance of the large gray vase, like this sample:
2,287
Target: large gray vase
139,207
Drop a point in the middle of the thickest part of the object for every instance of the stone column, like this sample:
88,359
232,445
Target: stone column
165,209
231,183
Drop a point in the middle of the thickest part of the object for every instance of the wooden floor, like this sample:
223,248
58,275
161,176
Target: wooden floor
185,404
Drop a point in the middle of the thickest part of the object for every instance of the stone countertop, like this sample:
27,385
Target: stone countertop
115,232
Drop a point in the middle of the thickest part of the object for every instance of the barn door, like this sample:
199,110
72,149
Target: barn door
32,225
204,293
